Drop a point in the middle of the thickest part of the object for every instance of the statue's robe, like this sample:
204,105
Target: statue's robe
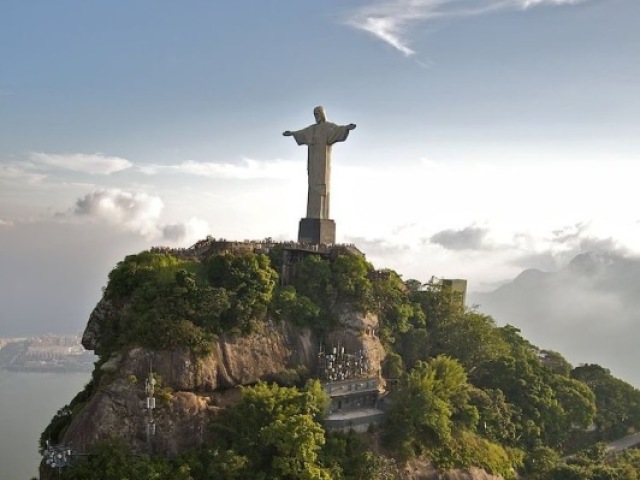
319,137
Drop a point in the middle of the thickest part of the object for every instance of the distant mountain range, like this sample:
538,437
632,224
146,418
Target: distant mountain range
589,311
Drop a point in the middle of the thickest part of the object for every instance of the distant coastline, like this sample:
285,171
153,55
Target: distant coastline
45,353
52,368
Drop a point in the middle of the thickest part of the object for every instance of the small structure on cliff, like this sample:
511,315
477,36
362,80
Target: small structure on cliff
353,391
150,403
456,288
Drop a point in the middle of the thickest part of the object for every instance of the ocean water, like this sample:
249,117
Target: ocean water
28,400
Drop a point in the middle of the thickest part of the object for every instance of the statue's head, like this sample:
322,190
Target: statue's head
320,115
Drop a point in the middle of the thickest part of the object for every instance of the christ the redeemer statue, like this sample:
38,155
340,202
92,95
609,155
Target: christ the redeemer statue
317,227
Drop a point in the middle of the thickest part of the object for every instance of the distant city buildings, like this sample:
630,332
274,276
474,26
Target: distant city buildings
45,353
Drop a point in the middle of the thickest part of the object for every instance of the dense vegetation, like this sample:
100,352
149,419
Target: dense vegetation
273,433
464,392
165,302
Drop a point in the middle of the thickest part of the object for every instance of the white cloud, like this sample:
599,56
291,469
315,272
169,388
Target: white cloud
248,169
468,238
549,252
507,197
134,211
533,3
188,232
392,20
5,223
14,173
95,164
387,29
140,213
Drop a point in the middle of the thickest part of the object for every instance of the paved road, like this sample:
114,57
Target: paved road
624,443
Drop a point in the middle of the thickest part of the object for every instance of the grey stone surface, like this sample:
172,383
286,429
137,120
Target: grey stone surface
319,138
318,231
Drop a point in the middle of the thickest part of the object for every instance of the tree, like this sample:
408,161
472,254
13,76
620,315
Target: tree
313,279
297,309
350,276
413,284
277,430
398,314
348,456
424,406
470,337
568,472
550,406
249,280
392,368
577,400
617,402
497,418
540,461
555,362
296,441
206,463
112,459
137,270
434,303
414,346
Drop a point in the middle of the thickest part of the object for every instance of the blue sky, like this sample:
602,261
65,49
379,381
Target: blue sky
493,135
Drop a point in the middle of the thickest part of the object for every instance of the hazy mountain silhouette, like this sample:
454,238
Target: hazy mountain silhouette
589,310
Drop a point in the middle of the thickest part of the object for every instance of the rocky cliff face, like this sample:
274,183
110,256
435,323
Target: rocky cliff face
100,314
192,389
418,470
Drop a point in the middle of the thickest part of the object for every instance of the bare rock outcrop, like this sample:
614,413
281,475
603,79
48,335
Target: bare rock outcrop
101,312
467,474
424,470
193,388
190,389
359,331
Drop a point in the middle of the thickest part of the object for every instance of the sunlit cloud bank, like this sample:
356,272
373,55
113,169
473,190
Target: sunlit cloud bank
247,169
137,212
547,251
533,3
510,199
393,20
95,164
475,253
16,173
567,289
485,222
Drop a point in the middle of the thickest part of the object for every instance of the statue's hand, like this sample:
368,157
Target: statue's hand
287,133
351,126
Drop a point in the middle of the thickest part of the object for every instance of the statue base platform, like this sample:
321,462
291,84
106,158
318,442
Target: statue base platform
319,231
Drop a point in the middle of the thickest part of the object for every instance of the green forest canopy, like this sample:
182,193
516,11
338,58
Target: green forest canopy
466,392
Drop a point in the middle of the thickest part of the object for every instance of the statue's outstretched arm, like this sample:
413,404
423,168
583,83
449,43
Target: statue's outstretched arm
302,137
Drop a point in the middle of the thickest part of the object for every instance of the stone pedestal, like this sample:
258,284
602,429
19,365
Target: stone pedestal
317,231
